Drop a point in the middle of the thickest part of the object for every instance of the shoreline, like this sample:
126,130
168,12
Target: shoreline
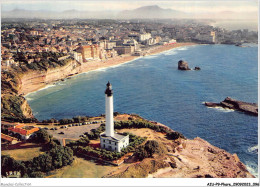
96,65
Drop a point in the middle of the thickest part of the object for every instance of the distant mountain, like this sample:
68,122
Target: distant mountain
151,12
21,13
67,14
145,12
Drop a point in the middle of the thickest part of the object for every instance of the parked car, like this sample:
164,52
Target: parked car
61,133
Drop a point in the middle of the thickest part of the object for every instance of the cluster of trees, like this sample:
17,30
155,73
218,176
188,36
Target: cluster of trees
47,60
52,120
77,119
44,63
54,157
149,149
140,123
94,134
98,153
134,141
81,142
175,135
57,157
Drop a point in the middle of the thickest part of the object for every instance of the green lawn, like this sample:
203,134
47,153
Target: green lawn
23,154
82,169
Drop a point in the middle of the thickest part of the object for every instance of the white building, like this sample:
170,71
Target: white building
78,57
145,36
109,139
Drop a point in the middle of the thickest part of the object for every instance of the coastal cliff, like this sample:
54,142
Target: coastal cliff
14,107
184,158
34,80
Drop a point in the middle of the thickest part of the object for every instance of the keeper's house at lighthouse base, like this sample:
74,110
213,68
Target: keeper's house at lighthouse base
115,143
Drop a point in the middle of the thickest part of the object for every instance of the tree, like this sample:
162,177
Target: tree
175,135
10,164
42,136
148,150
151,147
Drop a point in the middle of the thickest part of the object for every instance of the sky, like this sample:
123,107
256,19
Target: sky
118,5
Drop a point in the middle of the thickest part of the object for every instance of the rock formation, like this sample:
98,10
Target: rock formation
249,108
183,65
197,68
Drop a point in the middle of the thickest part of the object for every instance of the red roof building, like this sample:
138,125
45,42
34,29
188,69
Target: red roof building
24,131
8,139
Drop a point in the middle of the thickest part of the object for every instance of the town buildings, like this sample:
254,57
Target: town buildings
88,40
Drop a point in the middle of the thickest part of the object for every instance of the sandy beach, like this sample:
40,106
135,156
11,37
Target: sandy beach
34,81
126,58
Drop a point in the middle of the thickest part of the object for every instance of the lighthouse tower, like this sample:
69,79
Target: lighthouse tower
109,111
109,139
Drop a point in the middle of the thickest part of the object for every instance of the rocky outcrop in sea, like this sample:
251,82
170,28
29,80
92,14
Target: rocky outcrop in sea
183,65
248,108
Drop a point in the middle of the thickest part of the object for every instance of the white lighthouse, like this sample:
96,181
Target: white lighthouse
109,139
109,110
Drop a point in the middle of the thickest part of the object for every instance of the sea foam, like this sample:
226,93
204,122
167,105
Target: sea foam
220,109
252,168
253,149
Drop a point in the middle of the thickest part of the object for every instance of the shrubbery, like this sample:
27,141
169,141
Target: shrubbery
77,119
81,142
94,134
140,124
149,149
175,135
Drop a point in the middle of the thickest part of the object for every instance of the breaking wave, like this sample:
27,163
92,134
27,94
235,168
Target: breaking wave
252,168
221,109
182,48
253,149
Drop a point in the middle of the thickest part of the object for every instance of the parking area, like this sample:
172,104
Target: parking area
72,132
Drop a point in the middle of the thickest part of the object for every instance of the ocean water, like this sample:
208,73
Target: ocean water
152,87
